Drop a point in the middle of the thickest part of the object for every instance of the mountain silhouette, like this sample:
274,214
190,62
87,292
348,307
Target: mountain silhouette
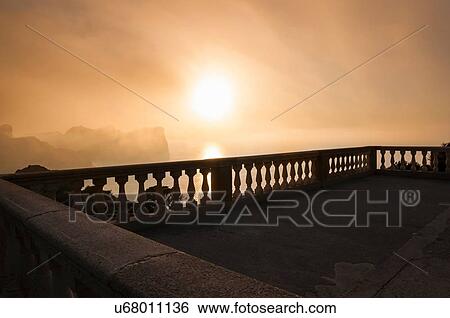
23,151
82,147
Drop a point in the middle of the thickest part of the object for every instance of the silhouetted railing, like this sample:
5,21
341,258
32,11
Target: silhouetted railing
256,174
424,161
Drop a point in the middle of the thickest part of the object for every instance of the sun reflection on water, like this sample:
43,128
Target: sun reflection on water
211,151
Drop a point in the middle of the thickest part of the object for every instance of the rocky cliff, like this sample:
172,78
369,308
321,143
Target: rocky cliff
82,147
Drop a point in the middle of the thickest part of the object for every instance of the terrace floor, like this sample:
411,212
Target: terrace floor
411,260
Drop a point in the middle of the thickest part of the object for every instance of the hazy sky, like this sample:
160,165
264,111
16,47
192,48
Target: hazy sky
273,52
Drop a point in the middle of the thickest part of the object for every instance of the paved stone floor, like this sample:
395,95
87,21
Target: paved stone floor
431,277
407,261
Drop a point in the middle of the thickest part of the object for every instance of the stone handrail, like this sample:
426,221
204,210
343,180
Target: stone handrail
414,161
42,254
286,170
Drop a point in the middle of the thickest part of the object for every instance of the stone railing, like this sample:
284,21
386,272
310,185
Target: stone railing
42,254
195,180
414,161
235,176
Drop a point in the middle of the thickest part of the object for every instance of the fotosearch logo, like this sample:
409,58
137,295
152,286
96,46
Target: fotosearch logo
325,208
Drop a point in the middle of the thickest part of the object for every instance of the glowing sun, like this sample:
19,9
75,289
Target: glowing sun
213,97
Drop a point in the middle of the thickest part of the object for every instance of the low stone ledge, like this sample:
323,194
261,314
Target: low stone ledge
25,203
100,248
124,262
182,275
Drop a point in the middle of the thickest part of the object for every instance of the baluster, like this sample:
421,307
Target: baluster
191,186
141,178
434,157
176,184
205,185
402,160
315,169
307,170
292,175
339,164
345,164
248,177
159,176
392,152
276,176
121,181
258,189
97,188
99,183
413,160
284,175
267,177
122,216
424,160
383,159
237,179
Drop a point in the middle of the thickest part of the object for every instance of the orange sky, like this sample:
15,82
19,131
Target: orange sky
274,52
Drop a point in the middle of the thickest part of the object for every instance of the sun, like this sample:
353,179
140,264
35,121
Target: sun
213,97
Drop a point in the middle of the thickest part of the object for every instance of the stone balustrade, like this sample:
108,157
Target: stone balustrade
417,161
196,180
256,174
